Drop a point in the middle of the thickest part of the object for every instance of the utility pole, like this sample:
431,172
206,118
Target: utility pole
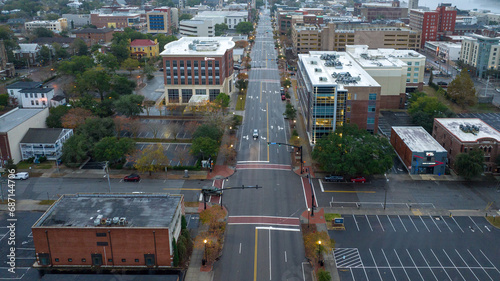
107,174
294,146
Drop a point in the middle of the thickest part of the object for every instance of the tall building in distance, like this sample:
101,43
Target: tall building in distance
197,69
481,52
412,4
434,24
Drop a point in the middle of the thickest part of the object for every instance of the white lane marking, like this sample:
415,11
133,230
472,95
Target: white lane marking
432,219
440,264
368,222
240,249
416,265
402,266
380,224
321,185
390,268
269,254
285,257
303,273
466,264
314,191
355,222
490,261
446,223
277,228
402,223
453,264
304,190
479,264
391,223
424,223
375,263
476,224
457,224
413,223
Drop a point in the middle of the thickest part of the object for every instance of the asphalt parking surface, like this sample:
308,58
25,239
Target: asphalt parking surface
162,129
399,248
178,154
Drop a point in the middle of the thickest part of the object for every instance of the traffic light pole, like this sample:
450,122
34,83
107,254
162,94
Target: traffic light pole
294,146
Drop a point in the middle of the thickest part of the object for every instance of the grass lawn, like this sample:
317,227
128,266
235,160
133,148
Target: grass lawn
494,221
478,108
26,165
240,103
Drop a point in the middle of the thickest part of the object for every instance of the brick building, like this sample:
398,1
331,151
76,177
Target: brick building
461,135
434,24
93,36
376,11
115,20
197,69
109,230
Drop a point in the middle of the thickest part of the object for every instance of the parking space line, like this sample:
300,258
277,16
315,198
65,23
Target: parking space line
457,224
454,264
476,224
424,223
440,264
479,264
355,221
391,223
432,219
375,263
390,268
416,266
490,261
368,222
446,223
380,224
466,264
402,266
402,223
413,223
352,274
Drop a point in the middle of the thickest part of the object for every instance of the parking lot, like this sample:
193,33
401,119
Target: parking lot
178,154
380,247
163,129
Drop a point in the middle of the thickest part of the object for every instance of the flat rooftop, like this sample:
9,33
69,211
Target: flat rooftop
17,116
211,14
418,139
139,210
453,126
198,46
320,74
375,57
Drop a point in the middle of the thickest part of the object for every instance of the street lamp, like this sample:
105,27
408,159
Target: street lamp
204,260
319,251
308,210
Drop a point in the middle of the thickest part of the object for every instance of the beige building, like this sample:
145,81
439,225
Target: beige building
481,52
305,38
52,25
13,126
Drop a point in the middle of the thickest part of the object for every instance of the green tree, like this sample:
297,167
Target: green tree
206,130
462,91
415,96
51,16
220,29
104,108
151,159
108,61
244,27
241,84
77,65
120,51
425,109
185,17
80,47
129,105
75,150
164,40
324,275
55,115
222,100
94,79
94,129
43,32
4,99
204,146
290,112
45,55
287,83
121,85
352,151
59,51
431,78
176,252
469,165
112,149
130,64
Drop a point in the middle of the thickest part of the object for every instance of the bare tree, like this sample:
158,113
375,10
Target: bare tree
134,126
175,128
155,127
191,126
147,105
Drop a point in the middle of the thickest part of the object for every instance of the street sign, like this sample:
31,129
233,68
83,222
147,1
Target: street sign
339,221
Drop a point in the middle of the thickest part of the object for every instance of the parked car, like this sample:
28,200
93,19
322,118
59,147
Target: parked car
132,177
283,97
442,84
333,178
21,176
358,179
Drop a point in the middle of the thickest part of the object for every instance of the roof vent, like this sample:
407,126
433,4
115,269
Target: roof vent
323,79
317,70
313,62
473,129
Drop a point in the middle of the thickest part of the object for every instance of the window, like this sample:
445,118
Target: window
102,243
43,95
371,108
348,96
408,74
110,260
370,120
124,260
408,69
31,95
416,69
348,108
415,74
409,63
84,260
57,259
32,103
417,63
201,92
70,260
37,102
415,80
372,97
100,234
136,260
26,95
407,80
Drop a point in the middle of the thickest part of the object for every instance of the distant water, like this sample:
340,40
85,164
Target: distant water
492,5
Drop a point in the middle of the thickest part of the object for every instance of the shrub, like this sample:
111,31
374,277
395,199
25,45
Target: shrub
42,159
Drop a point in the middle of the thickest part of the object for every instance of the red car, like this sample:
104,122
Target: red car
358,179
132,177
283,97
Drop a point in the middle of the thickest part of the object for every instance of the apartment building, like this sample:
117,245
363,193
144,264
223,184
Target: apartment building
53,25
333,90
434,24
377,11
162,20
481,52
93,36
44,142
197,69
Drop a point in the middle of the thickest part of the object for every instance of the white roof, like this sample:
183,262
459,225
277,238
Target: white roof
210,14
319,74
417,139
453,126
198,46
29,48
15,117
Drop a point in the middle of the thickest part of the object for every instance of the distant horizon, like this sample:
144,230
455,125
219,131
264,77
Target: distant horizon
492,5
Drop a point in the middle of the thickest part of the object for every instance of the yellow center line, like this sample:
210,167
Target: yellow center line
346,191
172,188
255,257
268,137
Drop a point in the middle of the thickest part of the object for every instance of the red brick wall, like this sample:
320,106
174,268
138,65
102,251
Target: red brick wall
4,147
123,243
401,149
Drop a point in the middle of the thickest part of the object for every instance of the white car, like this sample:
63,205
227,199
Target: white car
21,176
255,134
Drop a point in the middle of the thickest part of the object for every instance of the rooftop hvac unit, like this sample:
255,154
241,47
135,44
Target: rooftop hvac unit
97,222
317,70
116,220
123,221
323,79
313,62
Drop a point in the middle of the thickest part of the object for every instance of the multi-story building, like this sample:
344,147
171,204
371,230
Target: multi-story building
434,24
144,48
162,20
286,20
305,38
28,53
109,230
36,97
116,20
7,68
386,11
231,18
93,36
333,90
77,20
197,28
446,50
462,135
412,4
481,52
52,25
335,37
48,142
14,89
197,69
